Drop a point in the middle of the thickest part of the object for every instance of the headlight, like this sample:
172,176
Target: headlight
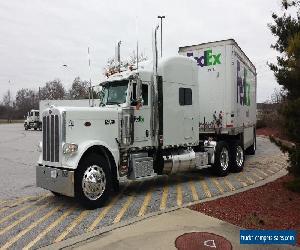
70,148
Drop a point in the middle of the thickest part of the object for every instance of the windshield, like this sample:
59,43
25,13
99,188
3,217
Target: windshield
114,93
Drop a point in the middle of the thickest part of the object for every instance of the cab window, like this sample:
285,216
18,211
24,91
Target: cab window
145,94
185,96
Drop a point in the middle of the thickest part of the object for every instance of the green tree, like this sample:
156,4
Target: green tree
286,29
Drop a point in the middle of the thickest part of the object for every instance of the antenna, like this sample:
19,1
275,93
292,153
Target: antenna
91,90
137,43
118,55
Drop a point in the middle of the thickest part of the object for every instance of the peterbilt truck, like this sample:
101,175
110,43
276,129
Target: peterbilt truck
193,110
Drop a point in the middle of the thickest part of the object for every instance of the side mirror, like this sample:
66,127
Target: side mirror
136,93
139,89
139,97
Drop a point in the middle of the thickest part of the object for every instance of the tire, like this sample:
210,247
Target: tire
35,128
221,165
251,150
92,192
26,127
237,157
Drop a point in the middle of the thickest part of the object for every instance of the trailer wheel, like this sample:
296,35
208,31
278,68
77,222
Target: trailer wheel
237,157
221,165
93,181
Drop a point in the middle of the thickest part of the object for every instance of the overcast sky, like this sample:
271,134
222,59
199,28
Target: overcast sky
38,36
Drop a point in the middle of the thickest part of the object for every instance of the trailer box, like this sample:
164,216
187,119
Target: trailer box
227,87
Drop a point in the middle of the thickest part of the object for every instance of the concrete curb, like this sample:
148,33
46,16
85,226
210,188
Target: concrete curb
280,142
90,236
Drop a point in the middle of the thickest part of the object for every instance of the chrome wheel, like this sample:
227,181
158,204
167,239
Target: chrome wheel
224,158
93,182
239,158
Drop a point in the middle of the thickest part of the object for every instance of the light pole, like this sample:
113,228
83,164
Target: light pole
65,71
161,18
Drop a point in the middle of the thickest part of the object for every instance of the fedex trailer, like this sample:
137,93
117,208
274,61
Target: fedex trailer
227,91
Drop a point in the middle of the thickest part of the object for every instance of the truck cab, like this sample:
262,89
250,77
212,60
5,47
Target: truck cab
33,120
140,116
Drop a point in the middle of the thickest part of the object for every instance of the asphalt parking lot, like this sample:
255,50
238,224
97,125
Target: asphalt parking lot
31,217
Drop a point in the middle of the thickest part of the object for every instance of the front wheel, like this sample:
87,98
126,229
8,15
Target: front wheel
93,181
221,164
237,157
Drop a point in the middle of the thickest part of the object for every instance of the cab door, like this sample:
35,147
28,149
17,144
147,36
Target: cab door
142,114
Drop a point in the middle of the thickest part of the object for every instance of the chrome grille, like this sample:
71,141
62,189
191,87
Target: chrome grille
51,138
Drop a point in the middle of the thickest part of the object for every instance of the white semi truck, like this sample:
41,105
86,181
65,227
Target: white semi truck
33,120
194,110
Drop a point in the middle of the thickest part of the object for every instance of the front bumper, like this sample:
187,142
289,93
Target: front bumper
31,124
56,180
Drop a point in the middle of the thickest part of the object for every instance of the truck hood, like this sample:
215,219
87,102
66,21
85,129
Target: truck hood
86,124
94,113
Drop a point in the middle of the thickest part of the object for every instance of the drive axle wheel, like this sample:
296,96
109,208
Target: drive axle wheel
221,165
93,181
237,157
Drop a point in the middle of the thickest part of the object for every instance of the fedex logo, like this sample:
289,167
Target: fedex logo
207,59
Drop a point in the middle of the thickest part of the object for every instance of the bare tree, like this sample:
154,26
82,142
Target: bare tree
133,58
7,99
7,106
26,99
113,66
79,89
53,90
